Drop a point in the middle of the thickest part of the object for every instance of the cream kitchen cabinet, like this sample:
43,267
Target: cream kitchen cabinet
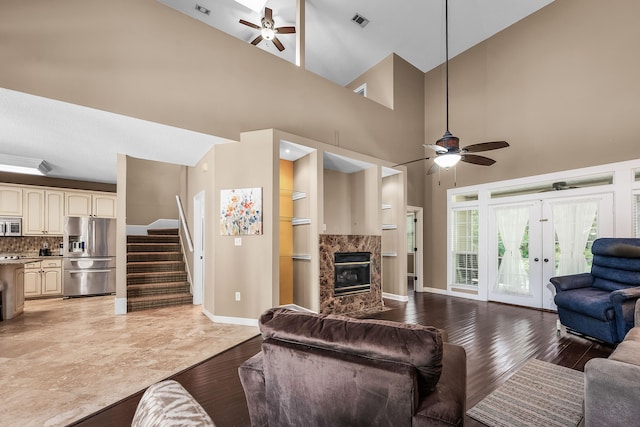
43,278
90,204
10,201
43,212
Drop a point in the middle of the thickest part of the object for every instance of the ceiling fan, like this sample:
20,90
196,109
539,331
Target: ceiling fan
447,149
268,30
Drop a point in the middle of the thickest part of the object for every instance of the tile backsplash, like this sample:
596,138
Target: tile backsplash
29,244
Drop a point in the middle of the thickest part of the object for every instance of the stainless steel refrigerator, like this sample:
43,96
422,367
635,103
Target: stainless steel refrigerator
89,260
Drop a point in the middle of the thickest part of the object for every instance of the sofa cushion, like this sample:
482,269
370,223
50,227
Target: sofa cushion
420,346
592,302
616,247
627,351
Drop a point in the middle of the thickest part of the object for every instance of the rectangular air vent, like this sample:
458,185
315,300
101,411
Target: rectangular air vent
202,9
360,20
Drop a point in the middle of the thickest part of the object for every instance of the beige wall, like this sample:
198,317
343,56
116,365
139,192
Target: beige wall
379,81
151,190
561,86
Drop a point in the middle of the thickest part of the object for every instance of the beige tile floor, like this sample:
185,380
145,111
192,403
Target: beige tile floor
64,359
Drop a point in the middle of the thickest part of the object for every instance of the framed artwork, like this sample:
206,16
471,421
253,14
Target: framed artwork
241,211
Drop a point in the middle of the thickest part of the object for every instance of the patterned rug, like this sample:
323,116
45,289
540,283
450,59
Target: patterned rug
539,394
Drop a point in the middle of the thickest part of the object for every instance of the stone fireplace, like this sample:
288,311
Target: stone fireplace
350,273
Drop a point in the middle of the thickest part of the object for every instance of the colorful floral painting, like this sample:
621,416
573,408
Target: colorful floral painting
241,211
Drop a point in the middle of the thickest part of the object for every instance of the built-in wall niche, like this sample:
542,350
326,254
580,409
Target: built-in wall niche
298,173
351,196
393,228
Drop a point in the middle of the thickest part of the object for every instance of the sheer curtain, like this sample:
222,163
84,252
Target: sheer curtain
512,276
572,224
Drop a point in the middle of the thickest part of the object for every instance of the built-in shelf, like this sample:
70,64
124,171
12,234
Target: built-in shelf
390,254
297,195
386,206
300,221
304,257
389,226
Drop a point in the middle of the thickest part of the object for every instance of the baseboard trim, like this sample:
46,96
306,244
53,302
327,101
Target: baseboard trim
434,290
230,320
120,306
403,298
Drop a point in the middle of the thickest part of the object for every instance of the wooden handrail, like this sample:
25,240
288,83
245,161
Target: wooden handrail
183,221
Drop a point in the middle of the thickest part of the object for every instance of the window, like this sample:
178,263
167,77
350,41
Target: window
636,209
465,247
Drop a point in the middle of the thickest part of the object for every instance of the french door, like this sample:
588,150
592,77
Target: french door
531,241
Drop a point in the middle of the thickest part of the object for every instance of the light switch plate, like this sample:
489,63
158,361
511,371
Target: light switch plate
238,241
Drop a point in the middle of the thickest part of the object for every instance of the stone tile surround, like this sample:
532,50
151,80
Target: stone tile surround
329,245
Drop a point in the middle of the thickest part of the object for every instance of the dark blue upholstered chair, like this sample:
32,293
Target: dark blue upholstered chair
601,304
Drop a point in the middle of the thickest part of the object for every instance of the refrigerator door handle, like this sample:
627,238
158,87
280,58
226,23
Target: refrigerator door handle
79,259
89,271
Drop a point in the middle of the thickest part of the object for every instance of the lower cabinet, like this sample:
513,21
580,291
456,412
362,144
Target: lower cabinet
19,290
43,278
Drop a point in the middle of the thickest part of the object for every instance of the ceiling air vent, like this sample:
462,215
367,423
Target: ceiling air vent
360,20
203,9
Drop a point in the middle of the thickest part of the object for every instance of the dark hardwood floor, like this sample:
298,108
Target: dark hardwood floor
498,339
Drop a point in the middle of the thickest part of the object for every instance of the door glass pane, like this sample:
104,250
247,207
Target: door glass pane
637,214
575,226
410,232
465,247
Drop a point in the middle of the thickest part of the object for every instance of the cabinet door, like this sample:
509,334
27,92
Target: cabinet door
77,204
104,205
54,212
10,201
51,281
19,289
34,212
32,282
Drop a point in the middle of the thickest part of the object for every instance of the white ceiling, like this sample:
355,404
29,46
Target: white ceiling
340,50
82,143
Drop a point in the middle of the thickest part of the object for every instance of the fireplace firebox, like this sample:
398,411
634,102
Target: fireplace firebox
352,273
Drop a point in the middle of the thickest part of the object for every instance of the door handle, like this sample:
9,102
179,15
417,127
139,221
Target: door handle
536,259
546,260
88,271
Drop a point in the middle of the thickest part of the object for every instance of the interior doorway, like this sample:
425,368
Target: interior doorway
414,249
198,248
533,240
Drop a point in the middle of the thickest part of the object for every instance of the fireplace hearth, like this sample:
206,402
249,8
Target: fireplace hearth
352,273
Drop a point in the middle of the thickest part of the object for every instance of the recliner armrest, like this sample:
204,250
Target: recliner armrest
624,305
572,281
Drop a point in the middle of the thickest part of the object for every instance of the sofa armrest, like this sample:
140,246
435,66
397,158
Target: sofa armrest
252,378
612,392
624,305
572,281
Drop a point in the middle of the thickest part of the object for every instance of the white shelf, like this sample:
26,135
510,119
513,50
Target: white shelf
389,226
297,195
386,206
300,221
389,254
303,257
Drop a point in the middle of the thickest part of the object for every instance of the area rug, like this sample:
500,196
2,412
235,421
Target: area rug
539,394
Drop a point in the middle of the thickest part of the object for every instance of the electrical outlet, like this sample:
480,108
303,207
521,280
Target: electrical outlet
238,241
237,296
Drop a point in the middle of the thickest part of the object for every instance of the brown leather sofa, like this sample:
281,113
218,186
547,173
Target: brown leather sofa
329,370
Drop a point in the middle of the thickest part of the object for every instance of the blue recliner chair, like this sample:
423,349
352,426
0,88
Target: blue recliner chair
601,304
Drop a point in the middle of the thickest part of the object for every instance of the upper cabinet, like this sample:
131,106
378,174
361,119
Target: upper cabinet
10,201
90,204
43,212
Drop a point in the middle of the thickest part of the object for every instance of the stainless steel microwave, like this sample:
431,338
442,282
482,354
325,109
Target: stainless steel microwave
10,226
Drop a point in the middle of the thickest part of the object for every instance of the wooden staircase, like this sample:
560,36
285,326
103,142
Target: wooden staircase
156,275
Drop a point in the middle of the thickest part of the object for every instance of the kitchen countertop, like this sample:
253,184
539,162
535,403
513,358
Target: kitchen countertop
27,259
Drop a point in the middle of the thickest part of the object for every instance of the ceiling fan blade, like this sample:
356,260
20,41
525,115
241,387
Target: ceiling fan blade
411,161
485,146
268,14
285,30
256,40
437,148
477,160
278,44
433,169
249,24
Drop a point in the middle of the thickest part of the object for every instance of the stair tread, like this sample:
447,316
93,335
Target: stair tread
155,273
157,285
159,297
153,261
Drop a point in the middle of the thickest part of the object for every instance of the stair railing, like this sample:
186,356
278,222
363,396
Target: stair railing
183,221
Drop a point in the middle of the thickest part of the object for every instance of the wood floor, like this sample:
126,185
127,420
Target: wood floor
498,338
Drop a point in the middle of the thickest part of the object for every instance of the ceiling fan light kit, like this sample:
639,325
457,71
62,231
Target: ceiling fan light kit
268,30
447,160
